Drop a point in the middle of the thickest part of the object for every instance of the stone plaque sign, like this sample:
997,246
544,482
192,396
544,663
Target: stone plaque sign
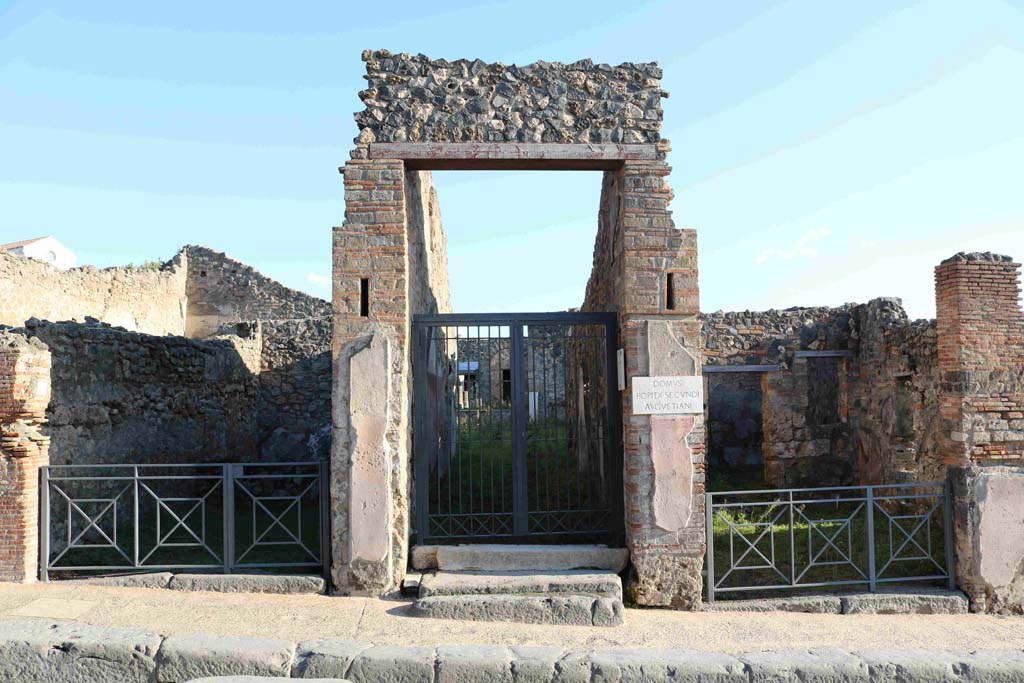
668,395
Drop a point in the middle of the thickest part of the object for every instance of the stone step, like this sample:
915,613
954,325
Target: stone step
595,583
563,609
522,557
891,601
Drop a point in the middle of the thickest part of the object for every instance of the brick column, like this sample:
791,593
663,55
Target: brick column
370,457
981,358
24,396
660,329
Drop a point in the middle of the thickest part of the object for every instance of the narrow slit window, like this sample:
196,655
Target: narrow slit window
364,297
670,292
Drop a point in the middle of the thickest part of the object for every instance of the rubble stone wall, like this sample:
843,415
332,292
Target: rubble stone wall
412,98
150,300
124,397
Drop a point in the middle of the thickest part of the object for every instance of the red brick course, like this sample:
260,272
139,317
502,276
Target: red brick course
981,358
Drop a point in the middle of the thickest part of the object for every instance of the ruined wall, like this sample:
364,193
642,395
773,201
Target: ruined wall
139,299
222,291
415,98
980,328
771,337
392,241
895,419
636,251
24,394
294,375
124,397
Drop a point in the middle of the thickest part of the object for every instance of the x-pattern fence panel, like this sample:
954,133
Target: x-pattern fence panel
220,517
800,539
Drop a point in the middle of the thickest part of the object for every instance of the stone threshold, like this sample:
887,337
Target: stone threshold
921,601
69,652
283,584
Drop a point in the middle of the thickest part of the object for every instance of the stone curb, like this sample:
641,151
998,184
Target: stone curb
33,650
282,584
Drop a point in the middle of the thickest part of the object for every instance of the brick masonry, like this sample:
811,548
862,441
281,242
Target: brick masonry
24,395
981,358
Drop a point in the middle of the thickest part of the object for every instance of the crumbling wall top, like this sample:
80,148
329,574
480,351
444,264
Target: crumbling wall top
417,99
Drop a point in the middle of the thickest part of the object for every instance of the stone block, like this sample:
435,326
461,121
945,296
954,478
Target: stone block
474,664
900,666
325,658
530,557
535,664
393,664
579,582
424,557
261,679
248,583
665,666
183,658
148,580
809,604
906,602
61,652
574,610
825,665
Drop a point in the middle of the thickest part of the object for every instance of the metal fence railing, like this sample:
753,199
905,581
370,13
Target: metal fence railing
811,539
225,517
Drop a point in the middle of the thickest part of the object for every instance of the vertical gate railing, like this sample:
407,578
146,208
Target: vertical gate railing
795,539
517,432
202,517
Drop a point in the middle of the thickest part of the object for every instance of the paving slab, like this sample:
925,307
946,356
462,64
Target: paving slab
906,602
912,667
573,610
60,652
474,664
530,557
285,584
807,604
325,658
665,666
393,664
261,679
579,582
183,658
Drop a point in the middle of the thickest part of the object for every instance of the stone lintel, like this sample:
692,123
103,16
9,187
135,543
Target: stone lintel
714,369
823,354
511,155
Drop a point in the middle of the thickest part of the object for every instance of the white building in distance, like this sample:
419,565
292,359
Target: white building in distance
46,249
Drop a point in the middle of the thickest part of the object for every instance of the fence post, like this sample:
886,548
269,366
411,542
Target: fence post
872,579
228,483
44,523
325,519
135,515
710,543
792,543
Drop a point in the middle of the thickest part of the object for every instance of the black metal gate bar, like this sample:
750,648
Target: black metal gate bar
491,416
220,516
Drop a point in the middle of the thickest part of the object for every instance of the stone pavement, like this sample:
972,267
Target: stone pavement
160,636
305,617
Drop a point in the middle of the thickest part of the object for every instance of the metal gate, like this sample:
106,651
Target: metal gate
517,428
763,542
221,517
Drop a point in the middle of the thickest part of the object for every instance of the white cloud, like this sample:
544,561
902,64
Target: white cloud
802,248
319,280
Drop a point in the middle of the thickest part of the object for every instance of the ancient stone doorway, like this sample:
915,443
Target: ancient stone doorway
516,428
735,439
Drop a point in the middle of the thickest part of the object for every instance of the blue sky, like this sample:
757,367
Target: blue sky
825,151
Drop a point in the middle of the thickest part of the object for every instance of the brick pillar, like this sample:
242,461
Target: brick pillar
370,457
981,358
24,396
660,329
